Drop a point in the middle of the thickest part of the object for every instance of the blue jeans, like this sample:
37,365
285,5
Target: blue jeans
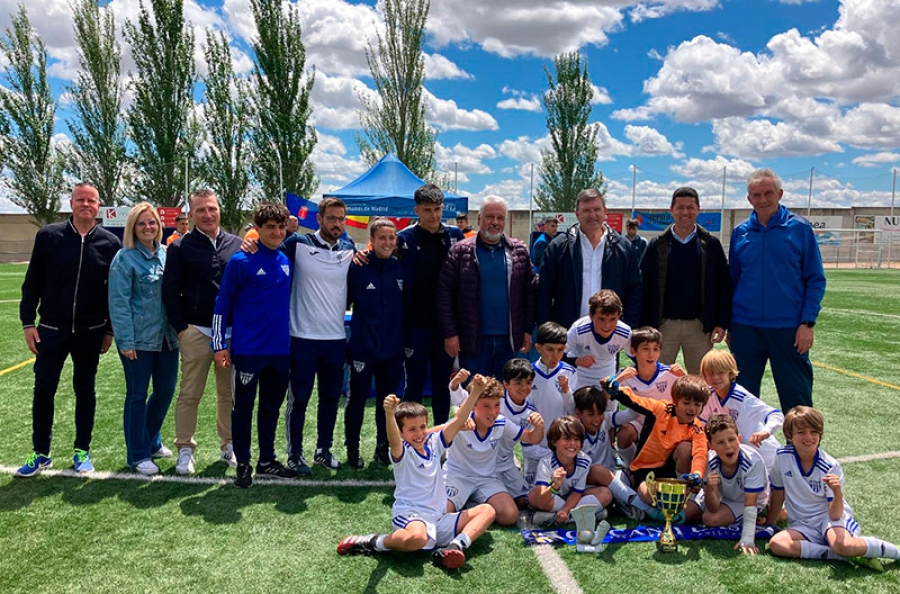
493,353
792,372
143,417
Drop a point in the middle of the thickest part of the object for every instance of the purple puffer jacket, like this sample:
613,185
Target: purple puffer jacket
459,293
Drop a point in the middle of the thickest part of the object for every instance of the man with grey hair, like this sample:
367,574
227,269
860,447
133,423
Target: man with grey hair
486,295
779,283
588,257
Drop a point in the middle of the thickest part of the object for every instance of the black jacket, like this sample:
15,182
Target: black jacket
715,280
66,281
561,276
194,270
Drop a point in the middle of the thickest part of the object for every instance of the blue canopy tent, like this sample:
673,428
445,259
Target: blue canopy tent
387,189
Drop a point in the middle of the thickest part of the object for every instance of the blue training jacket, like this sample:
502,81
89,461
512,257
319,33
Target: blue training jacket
254,299
777,271
375,292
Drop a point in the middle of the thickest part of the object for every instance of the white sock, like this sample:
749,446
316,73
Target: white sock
462,541
627,454
626,494
379,543
876,547
810,550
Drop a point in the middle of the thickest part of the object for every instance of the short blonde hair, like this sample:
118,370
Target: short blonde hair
132,221
718,361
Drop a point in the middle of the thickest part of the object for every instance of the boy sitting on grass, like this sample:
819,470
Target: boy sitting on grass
756,421
672,443
420,515
811,483
560,484
737,483
590,404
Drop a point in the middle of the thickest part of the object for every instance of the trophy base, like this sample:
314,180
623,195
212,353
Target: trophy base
596,543
666,547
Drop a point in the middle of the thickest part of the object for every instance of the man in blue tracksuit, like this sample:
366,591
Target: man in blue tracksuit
375,292
779,283
254,300
423,248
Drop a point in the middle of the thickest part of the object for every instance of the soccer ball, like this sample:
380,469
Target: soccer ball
585,536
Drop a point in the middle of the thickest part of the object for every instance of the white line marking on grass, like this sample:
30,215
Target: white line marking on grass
869,457
556,570
854,312
5,301
203,480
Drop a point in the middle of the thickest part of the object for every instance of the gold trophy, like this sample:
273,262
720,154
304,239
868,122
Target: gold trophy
669,497
589,534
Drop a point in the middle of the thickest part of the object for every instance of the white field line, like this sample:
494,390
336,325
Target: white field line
869,457
556,570
857,313
203,480
2,301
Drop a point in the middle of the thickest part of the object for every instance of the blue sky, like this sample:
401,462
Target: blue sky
685,89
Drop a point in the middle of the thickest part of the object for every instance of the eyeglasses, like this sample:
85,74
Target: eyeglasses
333,219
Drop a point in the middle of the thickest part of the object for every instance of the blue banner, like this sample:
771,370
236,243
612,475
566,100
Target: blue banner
305,211
645,534
658,221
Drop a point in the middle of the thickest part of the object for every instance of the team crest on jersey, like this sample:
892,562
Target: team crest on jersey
286,269
452,491
409,353
612,348
246,378
661,385
816,486
359,366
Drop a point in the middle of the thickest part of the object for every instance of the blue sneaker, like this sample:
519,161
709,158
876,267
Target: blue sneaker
83,462
34,465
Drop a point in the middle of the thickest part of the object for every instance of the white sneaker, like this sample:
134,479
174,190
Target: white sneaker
185,461
228,456
147,468
162,452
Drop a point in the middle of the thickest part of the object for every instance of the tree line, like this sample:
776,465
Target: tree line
251,137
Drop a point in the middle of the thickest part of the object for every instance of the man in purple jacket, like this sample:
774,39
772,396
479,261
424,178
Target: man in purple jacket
486,295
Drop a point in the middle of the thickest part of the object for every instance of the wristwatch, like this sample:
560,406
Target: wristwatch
808,324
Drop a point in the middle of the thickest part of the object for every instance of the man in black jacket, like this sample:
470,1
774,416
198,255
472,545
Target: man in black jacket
195,264
687,285
588,257
66,284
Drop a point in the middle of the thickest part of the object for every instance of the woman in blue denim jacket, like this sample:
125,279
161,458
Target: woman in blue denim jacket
147,343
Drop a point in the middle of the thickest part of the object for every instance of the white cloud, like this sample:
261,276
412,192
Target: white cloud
447,115
438,67
649,141
694,168
656,9
524,149
335,101
601,96
530,104
464,159
764,139
876,159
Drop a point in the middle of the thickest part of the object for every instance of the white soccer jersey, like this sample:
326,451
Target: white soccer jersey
658,387
549,400
319,292
582,340
475,455
517,415
750,476
806,496
598,447
751,415
419,479
575,482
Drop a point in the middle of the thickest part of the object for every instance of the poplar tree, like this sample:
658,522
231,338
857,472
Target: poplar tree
570,165
396,123
29,110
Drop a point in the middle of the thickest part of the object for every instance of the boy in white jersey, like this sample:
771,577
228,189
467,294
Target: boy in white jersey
756,421
737,484
594,341
551,393
420,518
811,483
590,407
560,484
471,472
648,378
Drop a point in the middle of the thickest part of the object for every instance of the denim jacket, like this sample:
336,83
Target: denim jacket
136,307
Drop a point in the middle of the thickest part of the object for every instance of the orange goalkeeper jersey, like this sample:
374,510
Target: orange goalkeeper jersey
662,433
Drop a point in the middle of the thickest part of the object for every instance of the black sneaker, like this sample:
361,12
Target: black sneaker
383,454
298,464
358,545
275,469
353,458
450,557
244,478
324,457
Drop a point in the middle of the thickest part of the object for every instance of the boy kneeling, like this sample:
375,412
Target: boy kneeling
420,515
